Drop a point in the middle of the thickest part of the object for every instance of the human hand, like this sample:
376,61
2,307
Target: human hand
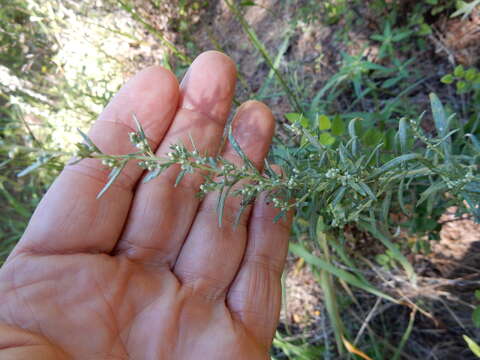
145,272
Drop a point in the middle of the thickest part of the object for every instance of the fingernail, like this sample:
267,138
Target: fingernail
252,124
184,81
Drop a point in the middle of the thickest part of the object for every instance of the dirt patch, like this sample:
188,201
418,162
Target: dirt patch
303,296
459,38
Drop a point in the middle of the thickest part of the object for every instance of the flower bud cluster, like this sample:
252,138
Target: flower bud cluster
83,151
296,128
208,187
248,191
149,165
179,154
111,163
345,179
292,182
332,173
280,203
227,167
139,141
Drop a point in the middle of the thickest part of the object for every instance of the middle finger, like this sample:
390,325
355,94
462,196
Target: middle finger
211,255
162,213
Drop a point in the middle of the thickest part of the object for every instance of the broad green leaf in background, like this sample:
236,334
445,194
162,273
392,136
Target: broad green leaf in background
459,71
471,74
472,345
382,259
476,317
461,86
465,8
338,126
326,139
372,137
447,79
324,122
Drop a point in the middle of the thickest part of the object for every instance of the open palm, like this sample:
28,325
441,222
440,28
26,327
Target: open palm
146,272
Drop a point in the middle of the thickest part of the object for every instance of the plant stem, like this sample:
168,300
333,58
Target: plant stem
263,51
127,6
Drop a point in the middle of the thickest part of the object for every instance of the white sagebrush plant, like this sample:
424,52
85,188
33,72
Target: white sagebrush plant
379,178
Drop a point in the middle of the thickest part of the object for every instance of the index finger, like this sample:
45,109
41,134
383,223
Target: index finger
70,218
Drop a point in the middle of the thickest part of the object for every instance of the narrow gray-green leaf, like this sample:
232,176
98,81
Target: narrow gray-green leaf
40,162
475,141
473,186
386,206
139,126
395,162
353,134
401,200
238,149
221,204
152,174
339,195
116,171
89,142
439,115
357,188
367,189
374,153
402,135
432,190
180,177
441,123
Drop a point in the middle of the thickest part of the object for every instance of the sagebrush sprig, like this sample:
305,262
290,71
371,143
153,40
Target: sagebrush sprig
345,182
349,183
220,175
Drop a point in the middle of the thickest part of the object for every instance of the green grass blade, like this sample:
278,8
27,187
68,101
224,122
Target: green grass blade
276,63
405,336
264,53
349,278
390,246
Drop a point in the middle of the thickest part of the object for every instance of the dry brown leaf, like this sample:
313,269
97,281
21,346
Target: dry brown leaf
353,350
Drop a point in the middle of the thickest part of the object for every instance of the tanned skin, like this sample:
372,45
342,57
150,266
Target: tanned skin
146,272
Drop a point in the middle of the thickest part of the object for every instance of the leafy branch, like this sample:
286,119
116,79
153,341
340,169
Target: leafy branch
349,182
